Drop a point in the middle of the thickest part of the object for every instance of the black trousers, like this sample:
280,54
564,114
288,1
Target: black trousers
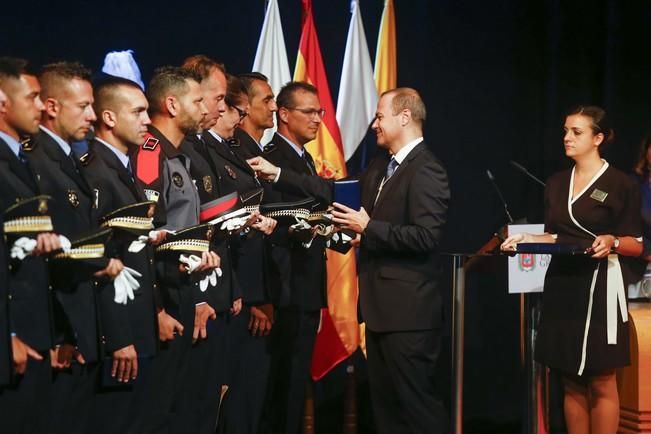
169,371
201,390
293,338
401,370
72,398
247,377
121,408
24,404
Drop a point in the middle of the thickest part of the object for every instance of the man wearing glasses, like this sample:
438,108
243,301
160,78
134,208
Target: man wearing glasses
300,259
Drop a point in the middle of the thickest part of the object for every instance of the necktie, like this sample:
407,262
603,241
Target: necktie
130,170
23,158
73,161
391,168
308,163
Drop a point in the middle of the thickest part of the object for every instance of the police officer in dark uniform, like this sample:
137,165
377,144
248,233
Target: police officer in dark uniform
25,281
67,95
211,356
262,107
130,331
176,108
5,339
248,333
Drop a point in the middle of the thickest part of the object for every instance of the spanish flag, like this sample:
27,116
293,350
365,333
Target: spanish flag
386,75
338,335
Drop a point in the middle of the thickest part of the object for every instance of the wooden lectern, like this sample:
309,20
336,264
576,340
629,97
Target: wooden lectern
634,382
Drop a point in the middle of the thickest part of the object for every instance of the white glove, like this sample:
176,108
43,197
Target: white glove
125,284
303,225
139,244
193,262
66,245
338,236
234,224
23,247
210,279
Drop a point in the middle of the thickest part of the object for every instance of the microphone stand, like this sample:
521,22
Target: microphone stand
524,170
491,178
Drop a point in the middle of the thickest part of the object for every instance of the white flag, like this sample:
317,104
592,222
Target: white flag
358,98
122,64
271,55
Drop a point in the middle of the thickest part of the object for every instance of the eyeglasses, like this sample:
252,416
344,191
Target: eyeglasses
310,112
242,113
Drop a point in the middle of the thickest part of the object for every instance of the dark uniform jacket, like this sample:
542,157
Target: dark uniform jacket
249,253
163,171
247,146
208,184
25,295
134,323
303,270
73,215
5,340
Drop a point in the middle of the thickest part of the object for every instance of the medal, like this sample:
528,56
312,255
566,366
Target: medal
73,198
207,183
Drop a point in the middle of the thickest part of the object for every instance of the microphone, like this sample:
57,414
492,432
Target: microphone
524,170
491,178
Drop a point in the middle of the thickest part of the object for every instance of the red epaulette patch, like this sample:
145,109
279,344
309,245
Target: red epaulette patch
148,162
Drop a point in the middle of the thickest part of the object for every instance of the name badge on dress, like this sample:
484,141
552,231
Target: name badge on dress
598,195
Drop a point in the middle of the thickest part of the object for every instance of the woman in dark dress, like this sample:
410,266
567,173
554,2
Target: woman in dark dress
584,322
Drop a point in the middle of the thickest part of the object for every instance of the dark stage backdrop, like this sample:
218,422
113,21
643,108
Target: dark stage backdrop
496,77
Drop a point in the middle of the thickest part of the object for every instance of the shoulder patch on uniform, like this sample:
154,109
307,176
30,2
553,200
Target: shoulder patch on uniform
150,144
148,163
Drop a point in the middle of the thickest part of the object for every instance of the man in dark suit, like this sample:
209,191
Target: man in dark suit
68,96
129,331
299,259
404,205
25,281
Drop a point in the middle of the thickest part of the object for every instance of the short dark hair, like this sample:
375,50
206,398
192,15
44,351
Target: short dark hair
285,97
53,76
12,68
166,80
600,122
104,91
248,78
202,65
235,91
